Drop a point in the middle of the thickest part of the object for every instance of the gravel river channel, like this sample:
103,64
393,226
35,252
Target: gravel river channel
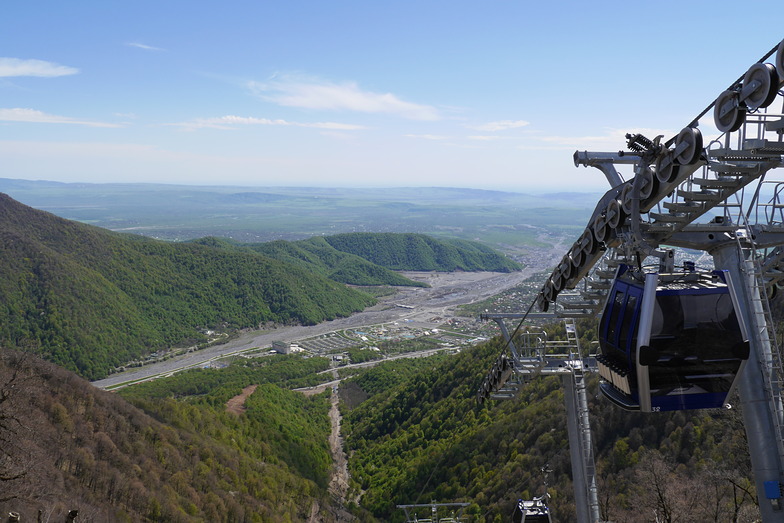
446,291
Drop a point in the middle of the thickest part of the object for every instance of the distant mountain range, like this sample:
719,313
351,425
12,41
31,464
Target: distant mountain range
91,299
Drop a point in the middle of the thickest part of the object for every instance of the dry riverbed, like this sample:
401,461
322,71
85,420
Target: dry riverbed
446,292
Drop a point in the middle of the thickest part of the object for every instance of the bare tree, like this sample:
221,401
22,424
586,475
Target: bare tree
12,377
669,495
20,427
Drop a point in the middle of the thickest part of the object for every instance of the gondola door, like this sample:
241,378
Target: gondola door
691,345
643,340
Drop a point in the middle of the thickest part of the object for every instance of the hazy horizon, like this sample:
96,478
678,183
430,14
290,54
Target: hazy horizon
541,191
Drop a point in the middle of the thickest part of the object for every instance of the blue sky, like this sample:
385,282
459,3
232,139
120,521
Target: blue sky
492,94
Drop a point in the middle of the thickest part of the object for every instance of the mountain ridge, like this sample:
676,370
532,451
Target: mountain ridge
91,299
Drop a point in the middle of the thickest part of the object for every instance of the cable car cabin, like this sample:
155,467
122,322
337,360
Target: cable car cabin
531,511
671,341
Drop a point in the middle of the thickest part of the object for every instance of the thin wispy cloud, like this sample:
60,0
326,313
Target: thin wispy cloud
232,122
34,116
502,125
484,138
11,67
348,96
144,46
427,136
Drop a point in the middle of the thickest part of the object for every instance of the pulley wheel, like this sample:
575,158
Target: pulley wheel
692,138
547,291
766,82
666,168
543,303
577,256
648,185
614,214
567,269
556,280
587,243
600,229
626,199
728,114
780,61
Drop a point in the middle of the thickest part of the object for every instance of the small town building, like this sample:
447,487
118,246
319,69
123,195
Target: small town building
281,347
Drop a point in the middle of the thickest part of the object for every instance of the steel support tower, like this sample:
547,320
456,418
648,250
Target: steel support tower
539,356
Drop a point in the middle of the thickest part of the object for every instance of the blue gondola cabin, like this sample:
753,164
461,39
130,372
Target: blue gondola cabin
671,341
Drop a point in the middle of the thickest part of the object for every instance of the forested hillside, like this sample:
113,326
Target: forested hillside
318,256
169,450
372,258
90,300
414,432
419,252
67,445
424,437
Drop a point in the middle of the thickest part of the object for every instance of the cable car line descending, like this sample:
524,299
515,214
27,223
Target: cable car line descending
537,355
687,338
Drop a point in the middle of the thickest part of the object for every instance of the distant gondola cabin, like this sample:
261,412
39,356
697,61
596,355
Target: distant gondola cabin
671,341
531,512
